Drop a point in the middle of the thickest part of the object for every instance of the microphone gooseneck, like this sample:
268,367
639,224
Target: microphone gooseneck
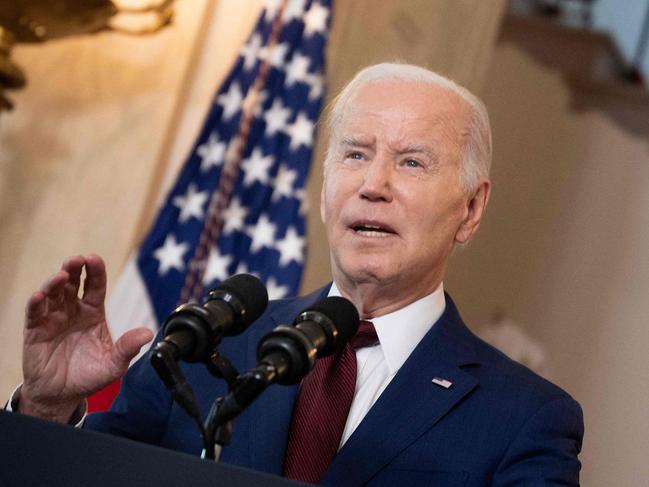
192,333
288,353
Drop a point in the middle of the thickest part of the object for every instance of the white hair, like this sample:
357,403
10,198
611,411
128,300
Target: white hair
476,162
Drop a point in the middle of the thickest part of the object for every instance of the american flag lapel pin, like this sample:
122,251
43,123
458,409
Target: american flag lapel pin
442,382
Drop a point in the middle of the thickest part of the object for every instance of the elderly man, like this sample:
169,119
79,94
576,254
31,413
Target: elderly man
406,179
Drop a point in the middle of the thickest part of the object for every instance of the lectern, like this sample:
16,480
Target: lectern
40,453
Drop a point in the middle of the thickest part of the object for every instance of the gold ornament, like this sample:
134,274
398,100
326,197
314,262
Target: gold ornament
42,20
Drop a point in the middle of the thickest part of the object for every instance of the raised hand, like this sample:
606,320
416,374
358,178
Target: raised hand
68,352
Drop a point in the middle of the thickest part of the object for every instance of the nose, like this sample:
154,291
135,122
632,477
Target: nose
376,184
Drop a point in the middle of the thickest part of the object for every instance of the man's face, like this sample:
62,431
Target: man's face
391,200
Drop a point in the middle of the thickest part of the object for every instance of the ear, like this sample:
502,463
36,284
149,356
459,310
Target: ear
476,206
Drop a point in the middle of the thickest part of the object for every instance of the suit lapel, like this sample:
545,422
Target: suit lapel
411,404
270,415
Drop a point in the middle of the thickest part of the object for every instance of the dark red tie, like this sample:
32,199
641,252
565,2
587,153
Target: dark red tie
321,410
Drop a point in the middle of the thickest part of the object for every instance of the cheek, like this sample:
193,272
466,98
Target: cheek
329,211
441,219
331,198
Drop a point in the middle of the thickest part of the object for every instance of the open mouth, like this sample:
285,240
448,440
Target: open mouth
372,229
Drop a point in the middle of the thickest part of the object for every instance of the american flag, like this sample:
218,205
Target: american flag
239,202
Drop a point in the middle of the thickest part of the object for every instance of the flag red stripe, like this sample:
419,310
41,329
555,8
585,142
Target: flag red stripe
101,400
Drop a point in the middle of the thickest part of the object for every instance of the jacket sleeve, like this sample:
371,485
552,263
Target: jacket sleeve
544,452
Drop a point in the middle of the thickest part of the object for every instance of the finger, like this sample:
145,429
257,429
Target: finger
35,310
129,345
48,297
53,289
54,283
94,287
73,266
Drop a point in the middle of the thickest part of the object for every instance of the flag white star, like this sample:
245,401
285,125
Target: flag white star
294,10
276,117
211,152
170,255
242,268
231,101
275,291
217,266
297,69
234,216
290,247
316,86
262,234
302,197
315,20
301,132
284,183
250,52
271,9
277,54
256,167
190,205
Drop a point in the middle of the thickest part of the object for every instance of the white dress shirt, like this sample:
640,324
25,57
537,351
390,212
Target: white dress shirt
399,333
78,417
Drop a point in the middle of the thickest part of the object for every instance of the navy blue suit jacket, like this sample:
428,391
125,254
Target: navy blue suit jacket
497,424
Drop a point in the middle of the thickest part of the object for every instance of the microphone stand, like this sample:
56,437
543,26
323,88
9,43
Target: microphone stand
173,378
215,433
242,390
218,434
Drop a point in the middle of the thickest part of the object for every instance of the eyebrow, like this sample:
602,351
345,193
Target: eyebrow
358,142
416,148
368,143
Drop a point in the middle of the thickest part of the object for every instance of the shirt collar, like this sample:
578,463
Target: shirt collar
399,332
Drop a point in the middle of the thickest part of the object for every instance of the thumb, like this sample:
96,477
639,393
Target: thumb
129,345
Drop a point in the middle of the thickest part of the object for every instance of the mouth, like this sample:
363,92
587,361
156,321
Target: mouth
372,229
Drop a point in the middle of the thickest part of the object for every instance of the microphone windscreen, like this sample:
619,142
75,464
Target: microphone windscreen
343,314
252,294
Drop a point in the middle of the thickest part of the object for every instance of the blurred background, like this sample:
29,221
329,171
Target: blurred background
99,110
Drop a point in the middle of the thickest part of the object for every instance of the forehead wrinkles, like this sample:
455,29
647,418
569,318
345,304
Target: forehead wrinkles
434,133
444,116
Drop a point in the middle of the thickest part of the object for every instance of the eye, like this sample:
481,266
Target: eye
412,163
356,155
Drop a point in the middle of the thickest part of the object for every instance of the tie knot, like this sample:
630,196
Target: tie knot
365,336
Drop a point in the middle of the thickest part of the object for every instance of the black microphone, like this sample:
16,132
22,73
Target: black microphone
193,331
288,353
321,330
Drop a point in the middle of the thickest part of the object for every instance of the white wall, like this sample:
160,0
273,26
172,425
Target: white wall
564,250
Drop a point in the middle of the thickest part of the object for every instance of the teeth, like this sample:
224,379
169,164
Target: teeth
371,231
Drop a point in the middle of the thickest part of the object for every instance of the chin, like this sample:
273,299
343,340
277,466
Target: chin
364,271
